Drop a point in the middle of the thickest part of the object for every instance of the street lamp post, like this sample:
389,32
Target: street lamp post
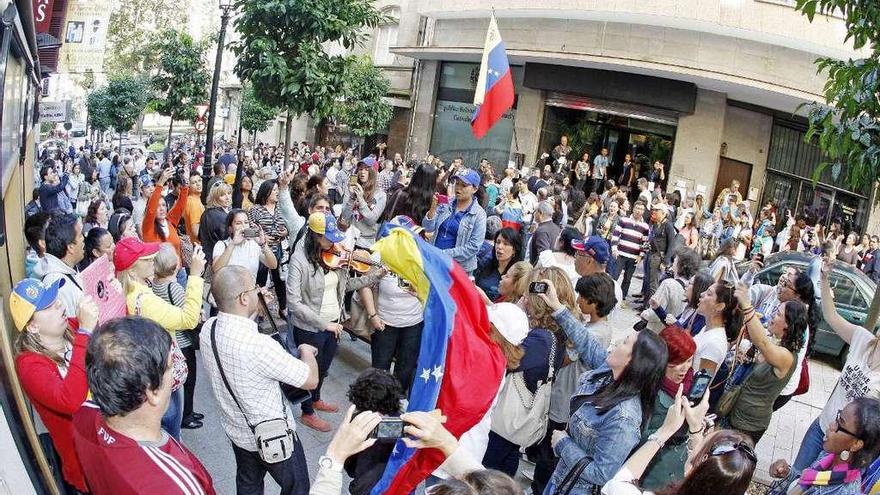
225,7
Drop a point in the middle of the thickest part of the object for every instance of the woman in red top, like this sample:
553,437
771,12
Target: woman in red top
160,224
50,362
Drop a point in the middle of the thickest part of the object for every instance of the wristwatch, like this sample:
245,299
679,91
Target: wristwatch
330,464
656,438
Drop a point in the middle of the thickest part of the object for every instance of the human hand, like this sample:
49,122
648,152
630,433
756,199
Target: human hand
827,267
428,432
353,435
377,323
675,417
780,469
335,328
308,349
261,239
435,201
557,437
550,297
283,179
696,415
165,175
197,265
757,264
238,237
87,313
670,320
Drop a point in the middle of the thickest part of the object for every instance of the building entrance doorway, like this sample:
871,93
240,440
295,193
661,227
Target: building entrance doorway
728,171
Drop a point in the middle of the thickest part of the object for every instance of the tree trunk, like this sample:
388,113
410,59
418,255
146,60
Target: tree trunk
874,311
168,141
287,132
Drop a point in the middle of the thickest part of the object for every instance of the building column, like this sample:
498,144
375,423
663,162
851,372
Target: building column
527,126
698,139
419,139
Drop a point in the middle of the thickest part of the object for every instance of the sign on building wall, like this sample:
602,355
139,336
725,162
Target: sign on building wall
43,14
85,36
54,111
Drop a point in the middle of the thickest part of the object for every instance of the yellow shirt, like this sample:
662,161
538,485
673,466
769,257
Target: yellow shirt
141,301
330,309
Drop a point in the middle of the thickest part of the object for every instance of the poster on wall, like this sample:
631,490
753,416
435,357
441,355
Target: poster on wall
85,36
14,111
452,136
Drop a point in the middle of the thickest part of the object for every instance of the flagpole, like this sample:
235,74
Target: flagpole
515,137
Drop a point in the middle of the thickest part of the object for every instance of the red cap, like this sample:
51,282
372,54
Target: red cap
131,249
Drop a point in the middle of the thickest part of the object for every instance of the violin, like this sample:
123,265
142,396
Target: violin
338,257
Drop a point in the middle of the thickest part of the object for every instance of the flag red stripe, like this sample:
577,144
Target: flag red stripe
498,100
474,369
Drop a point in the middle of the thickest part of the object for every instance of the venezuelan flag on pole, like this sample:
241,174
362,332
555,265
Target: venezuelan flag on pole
494,94
459,367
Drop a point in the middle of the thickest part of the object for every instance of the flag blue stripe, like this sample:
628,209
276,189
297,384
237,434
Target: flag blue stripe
439,320
498,65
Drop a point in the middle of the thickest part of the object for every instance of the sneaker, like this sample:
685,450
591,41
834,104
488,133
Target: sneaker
315,423
325,406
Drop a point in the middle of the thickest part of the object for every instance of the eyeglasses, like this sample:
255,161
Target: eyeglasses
728,447
256,287
784,281
840,427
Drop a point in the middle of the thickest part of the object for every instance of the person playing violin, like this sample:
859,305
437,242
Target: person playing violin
316,303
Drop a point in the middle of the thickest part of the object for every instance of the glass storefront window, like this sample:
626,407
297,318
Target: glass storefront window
452,136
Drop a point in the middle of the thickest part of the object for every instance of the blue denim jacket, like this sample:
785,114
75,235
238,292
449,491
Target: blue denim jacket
606,438
471,233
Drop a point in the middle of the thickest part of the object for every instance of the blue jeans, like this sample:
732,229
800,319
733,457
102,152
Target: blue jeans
811,447
174,414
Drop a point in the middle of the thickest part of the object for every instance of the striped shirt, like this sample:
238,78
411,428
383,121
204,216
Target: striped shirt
172,293
630,237
271,223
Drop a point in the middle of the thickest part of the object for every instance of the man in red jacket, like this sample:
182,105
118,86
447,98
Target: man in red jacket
119,438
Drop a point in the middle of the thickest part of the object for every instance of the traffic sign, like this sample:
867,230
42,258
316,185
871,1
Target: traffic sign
201,126
201,111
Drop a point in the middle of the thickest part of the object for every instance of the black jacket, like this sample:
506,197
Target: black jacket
663,241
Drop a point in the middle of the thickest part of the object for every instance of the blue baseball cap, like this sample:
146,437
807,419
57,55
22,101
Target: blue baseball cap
29,296
369,162
594,246
325,224
469,177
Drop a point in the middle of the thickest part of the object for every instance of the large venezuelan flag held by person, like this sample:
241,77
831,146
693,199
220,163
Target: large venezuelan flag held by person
459,367
494,93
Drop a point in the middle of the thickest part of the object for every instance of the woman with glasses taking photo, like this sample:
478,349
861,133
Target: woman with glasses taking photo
851,442
721,462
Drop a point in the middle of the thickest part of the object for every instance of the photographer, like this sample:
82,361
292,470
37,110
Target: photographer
242,248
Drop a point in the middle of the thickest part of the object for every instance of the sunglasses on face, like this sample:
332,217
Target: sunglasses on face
728,447
840,426
784,281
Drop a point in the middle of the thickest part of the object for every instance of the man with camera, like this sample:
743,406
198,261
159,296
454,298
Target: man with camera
246,370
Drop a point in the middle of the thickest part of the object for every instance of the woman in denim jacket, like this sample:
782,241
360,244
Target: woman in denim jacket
611,406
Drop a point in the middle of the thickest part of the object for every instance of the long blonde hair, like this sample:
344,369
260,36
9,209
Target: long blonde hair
540,315
519,272
30,342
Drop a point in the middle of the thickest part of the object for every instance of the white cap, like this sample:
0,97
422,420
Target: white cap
510,320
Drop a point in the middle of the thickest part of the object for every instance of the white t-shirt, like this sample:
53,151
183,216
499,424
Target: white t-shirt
856,380
549,259
248,254
711,345
397,307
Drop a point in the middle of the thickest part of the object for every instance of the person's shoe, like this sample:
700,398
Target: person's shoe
198,416
191,424
315,423
325,406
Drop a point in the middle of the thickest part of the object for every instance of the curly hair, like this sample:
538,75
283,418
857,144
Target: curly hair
688,262
376,390
796,321
540,315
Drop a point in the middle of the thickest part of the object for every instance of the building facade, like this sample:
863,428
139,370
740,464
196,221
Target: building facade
711,88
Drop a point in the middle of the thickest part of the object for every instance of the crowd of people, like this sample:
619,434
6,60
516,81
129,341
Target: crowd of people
255,273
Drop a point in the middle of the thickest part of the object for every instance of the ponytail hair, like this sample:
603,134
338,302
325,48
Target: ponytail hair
731,313
806,291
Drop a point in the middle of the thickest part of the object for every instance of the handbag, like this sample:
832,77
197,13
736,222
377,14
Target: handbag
804,381
275,439
731,393
521,416
571,478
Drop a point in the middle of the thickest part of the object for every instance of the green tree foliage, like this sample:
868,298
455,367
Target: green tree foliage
847,125
281,50
181,81
133,29
127,96
255,115
362,107
97,104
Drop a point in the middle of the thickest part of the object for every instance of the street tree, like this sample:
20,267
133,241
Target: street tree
125,100
847,125
363,107
255,115
281,50
181,80
98,108
133,29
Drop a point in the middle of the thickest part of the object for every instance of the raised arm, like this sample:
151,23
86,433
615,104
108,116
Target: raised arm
840,326
590,350
777,356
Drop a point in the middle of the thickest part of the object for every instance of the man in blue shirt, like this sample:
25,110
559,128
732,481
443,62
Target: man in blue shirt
460,227
600,169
